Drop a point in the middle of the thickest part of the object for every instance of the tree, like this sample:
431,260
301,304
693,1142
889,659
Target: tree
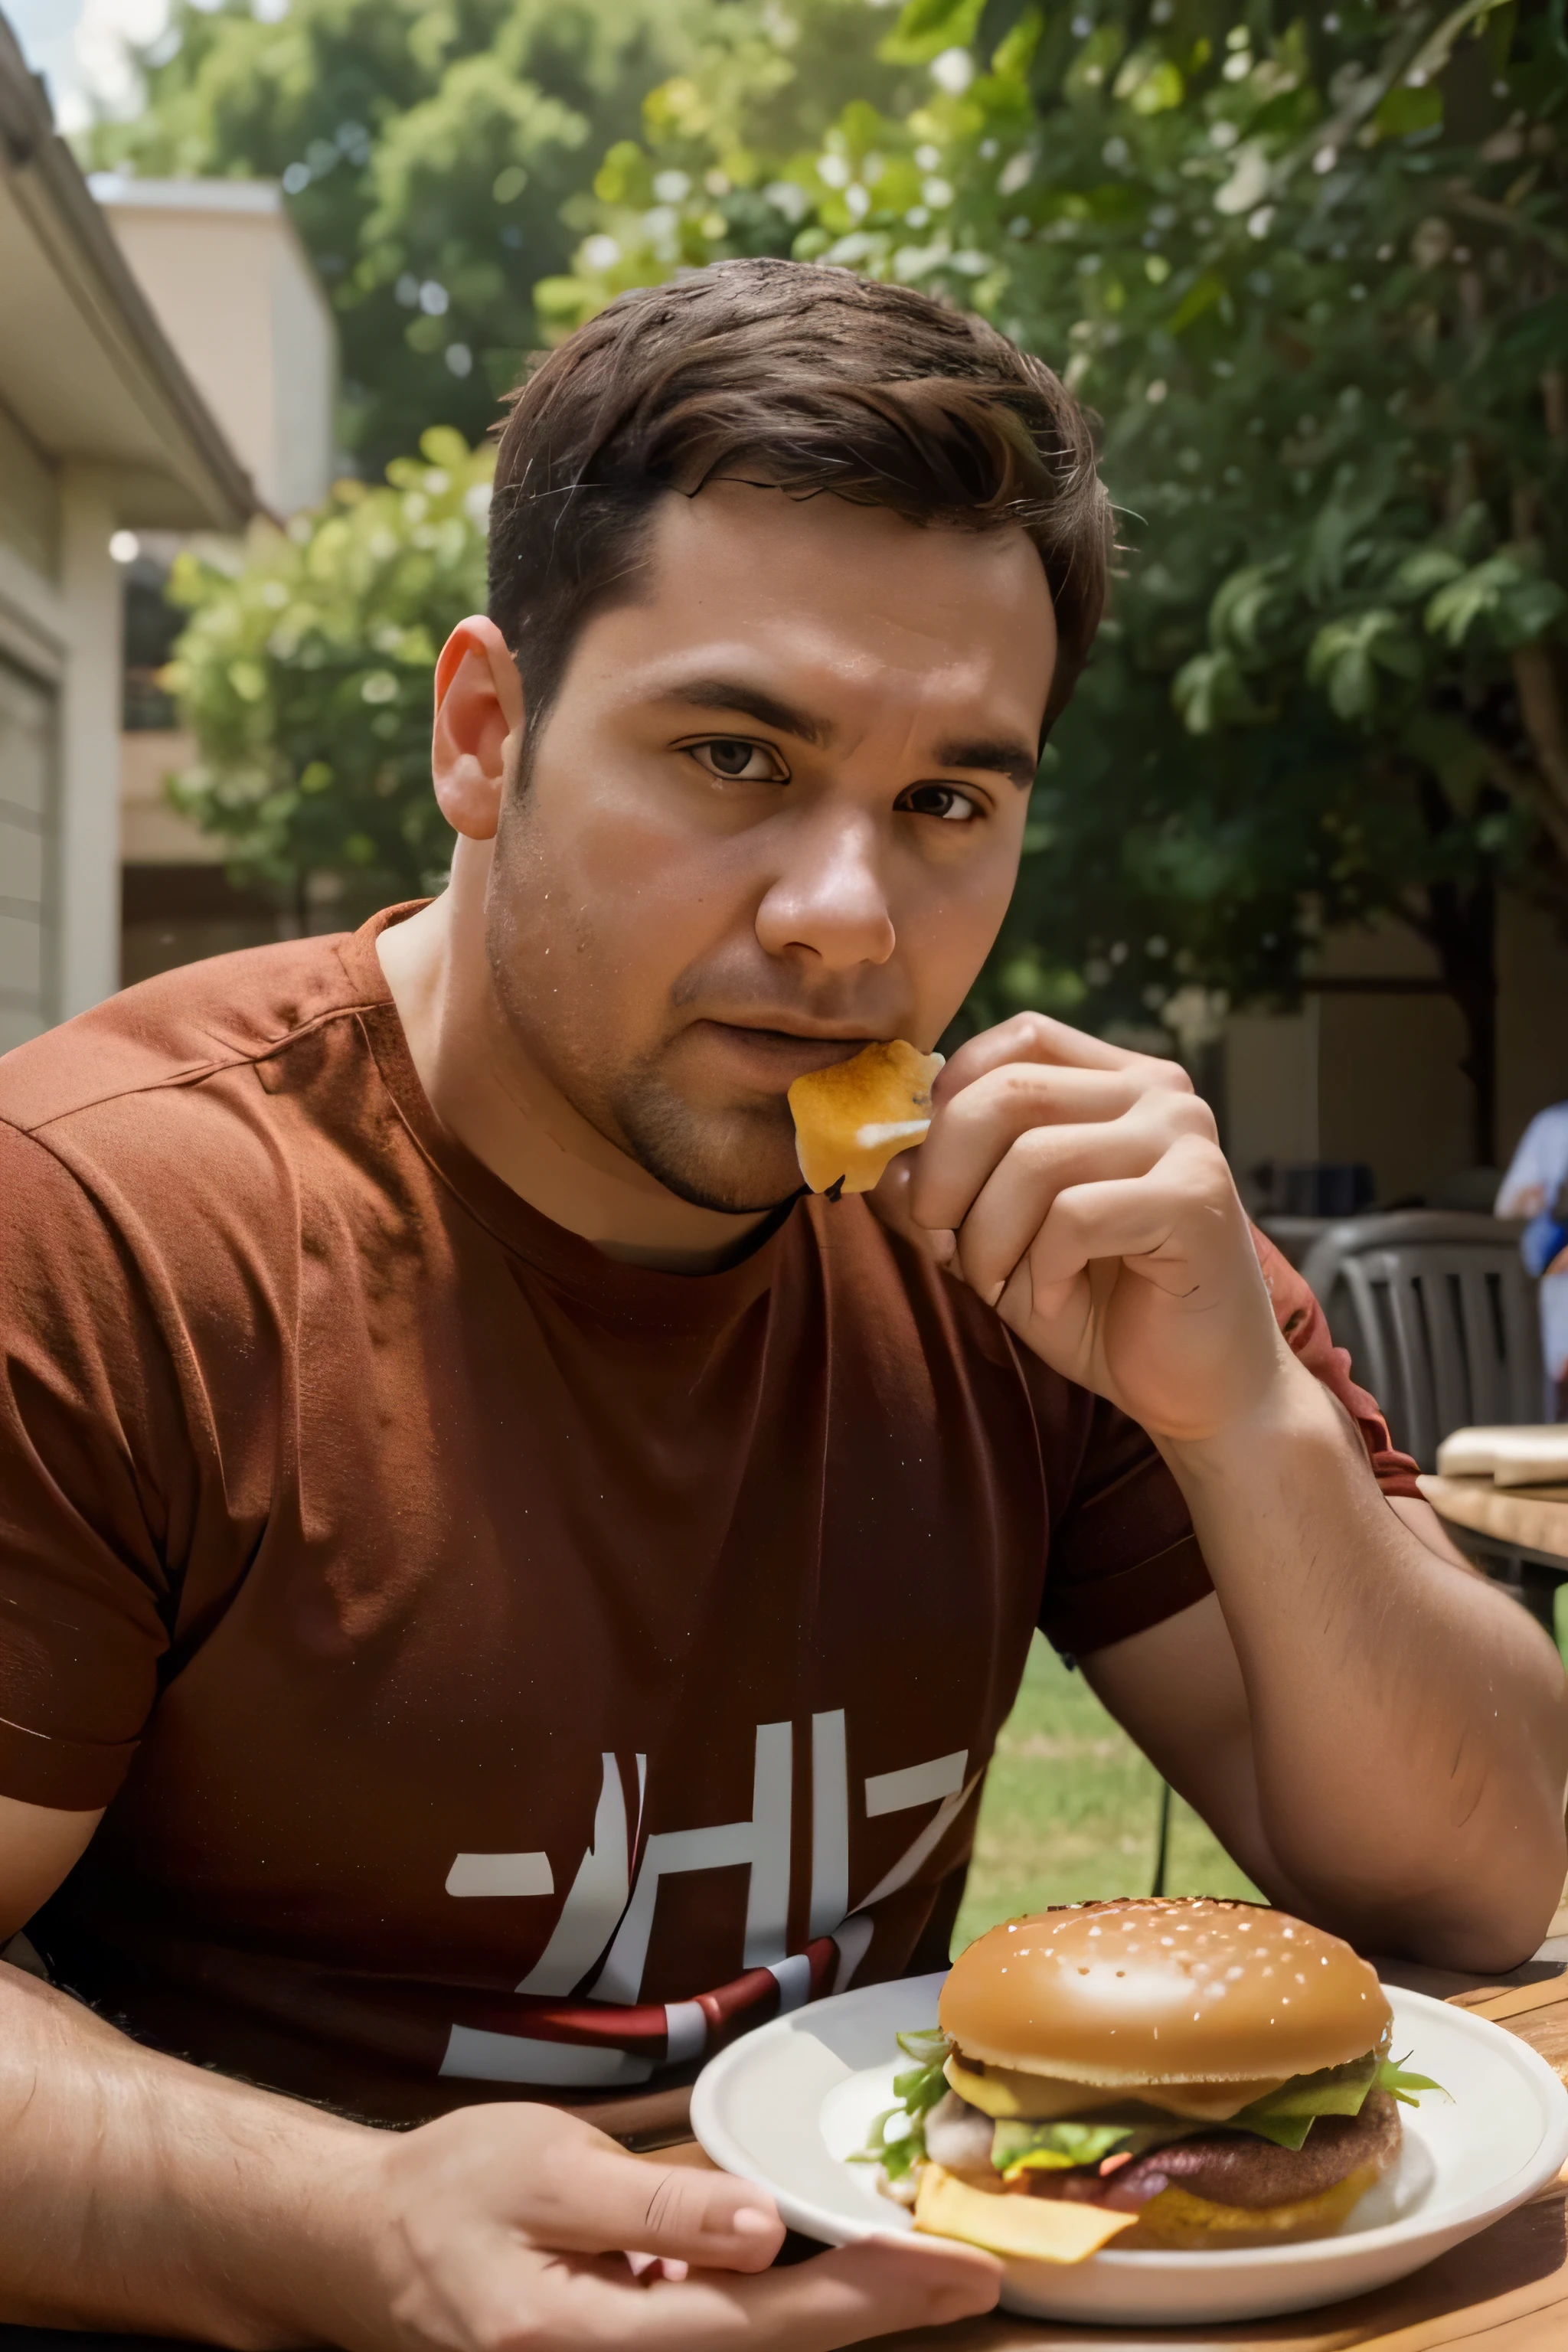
304,669
427,153
305,674
1309,268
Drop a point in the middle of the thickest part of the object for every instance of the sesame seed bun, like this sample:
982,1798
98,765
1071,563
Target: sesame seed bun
1157,1991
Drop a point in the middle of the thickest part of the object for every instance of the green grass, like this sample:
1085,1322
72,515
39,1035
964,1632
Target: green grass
1070,1811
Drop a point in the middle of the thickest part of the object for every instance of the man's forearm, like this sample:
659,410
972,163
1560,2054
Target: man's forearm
145,2194
1409,1723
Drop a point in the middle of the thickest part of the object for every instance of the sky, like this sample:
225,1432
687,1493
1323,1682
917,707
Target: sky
79,47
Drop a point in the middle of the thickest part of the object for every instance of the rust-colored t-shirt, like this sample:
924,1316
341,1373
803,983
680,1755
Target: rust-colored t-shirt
508,1671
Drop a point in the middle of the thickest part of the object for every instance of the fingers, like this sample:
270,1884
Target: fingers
1040,1170
868,2290
970,1134
862,2290
999,1153
1170,1225
595,2199
1036,1037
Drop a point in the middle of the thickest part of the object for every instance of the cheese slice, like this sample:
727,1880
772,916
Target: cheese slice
1009,2094
1038,2229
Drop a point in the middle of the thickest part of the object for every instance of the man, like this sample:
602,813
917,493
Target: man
499,1594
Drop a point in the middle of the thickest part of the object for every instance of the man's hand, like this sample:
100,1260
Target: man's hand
1081,1191
503,2228
141,2193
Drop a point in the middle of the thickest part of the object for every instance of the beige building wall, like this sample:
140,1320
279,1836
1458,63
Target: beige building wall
224,268
1375,1074
1272,1088
153,831
59,748
102,436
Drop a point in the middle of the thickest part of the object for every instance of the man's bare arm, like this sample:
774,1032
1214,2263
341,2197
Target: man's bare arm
1366,1783
142,2193
1407,1724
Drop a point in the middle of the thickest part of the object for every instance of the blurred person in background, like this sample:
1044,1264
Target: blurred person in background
1536,1187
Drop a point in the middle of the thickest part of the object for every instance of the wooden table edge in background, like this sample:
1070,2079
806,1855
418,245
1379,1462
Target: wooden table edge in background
1532,1518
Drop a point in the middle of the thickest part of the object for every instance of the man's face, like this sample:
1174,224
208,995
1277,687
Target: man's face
774,814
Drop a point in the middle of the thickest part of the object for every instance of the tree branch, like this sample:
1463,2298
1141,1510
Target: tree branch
1546,724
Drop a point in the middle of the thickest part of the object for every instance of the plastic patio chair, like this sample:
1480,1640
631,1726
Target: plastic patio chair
1439,1317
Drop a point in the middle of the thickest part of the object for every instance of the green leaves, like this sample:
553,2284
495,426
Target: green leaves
917,2090
1392,2077
1287,2115
1019,2148
306,676
1346,656
1505,597
923,2084
953,19
393,125
1332,403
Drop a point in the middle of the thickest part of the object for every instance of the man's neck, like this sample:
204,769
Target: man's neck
489,1093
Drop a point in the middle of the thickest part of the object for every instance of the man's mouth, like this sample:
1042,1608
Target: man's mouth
773,1055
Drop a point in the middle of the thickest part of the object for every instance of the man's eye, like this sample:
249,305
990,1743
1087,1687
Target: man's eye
944,801
738,762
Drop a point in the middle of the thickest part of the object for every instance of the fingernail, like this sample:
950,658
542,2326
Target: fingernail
750,2221
674,2268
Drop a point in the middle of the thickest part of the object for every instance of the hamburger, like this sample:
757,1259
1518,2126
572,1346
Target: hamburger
1186,2075
854,1116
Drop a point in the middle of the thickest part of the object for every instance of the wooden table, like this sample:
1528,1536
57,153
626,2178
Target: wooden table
1504,2291
1528,1520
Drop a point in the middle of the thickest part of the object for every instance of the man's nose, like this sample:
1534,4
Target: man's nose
830,902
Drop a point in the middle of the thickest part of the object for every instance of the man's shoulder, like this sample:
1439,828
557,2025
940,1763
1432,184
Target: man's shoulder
174,1031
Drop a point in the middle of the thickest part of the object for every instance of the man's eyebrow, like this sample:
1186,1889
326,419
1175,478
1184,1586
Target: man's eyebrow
734,694
1005,756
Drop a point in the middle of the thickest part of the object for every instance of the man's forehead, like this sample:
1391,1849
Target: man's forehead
854,596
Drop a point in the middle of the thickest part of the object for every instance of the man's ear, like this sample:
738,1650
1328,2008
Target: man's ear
479,710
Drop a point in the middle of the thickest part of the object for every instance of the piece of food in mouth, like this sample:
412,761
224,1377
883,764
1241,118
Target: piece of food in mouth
1156,2074
854,1116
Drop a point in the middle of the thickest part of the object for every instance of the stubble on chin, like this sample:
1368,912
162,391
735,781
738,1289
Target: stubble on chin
736,1158
739,1161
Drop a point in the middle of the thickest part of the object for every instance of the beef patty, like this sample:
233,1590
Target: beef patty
1239,2169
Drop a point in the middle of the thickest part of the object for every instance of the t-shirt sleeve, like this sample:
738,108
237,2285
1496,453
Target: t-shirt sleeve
1123,1555
86,1403
1305,1326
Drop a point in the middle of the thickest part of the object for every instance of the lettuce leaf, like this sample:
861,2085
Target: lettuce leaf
917,2090
1406,2088
1054,2147
1287,2115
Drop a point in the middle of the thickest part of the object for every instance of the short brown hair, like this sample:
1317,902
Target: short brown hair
811,380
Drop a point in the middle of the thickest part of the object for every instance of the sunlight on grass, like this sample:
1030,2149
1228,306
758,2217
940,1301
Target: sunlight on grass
1070,1811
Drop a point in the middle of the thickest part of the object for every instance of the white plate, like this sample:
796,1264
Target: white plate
784,2105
